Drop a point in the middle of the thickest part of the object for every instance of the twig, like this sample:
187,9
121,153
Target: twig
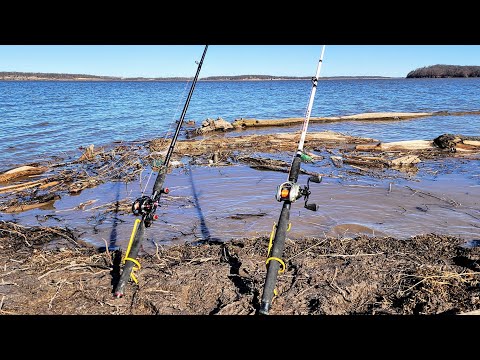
450,201
156,251
304,250
20,269
61,269
449,275
19,233
8,283
108,252
335,286
345,255
305,290
56,293
158,290
201,260
1,302
65,236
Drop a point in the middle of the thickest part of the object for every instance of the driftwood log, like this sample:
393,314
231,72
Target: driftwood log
377,161
265,143
244,123
445,141
21,172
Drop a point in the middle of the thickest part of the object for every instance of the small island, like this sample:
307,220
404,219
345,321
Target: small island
445,71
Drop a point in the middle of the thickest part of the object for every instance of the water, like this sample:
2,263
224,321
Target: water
42,119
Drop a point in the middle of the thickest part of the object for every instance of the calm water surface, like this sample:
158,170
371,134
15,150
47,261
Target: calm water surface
41,119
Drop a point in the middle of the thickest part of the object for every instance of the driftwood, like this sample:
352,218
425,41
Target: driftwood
270,164
397,146
21,172
88,154
264,143
244,123
445,141
337,160
366,161
20,187
407,160
210,125
45,201
377,161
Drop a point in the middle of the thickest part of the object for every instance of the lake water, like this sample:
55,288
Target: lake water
42,119
39,120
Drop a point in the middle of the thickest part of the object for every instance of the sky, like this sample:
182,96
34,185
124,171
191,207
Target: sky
279,60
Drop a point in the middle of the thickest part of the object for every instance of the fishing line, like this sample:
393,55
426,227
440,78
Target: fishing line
167,133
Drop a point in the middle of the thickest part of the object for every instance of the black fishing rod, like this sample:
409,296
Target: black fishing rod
288,192
146,206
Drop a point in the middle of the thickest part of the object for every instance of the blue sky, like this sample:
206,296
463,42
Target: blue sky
179,60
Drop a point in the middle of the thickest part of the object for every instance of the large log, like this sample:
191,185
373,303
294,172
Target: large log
382,116
407,145
267,142
22,171
397,146
445,141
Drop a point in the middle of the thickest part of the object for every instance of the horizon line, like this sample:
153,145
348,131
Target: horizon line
179,78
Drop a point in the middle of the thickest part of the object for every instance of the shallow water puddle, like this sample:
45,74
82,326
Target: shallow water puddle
224,203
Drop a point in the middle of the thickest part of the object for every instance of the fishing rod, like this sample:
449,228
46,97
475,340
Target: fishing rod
288,192
146,206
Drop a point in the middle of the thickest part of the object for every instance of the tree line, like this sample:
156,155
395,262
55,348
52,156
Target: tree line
56,76
11,75
445,71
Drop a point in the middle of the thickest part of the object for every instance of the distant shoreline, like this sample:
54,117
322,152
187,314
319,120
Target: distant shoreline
22,76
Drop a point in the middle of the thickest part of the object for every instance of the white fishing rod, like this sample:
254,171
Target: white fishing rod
310,102
288,192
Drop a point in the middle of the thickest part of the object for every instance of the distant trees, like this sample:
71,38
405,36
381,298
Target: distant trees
445,71
5,75
36,76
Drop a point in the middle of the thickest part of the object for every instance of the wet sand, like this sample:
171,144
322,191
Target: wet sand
52,273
